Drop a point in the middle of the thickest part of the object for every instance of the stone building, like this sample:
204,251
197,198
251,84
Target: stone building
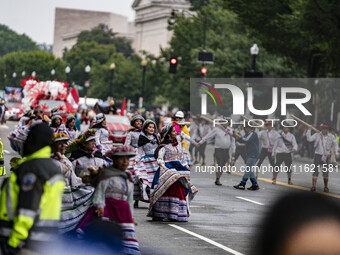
151,23
70,22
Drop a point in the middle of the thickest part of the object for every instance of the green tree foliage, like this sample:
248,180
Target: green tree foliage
229,40
39,61
11,41
102,35
127,75
305,31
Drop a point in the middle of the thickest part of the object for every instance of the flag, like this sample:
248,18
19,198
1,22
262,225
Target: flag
72,101
122,113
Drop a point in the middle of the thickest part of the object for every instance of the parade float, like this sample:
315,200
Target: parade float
49,95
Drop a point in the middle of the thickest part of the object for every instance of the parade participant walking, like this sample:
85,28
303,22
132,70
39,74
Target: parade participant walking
202,131
19,135
240,147
323,144
224,141
31,196
84,119
132,140
76,198
71,129
3,110
102,134
57,124
194,134
171,189
145,162
38,113
180,127
268,138
84,155
284,147
112,198
135,131
252,149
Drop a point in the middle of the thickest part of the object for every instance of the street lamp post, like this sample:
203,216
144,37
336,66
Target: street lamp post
254,51
112,73
52,73
23,74
14,75
67,71
87,80
144,63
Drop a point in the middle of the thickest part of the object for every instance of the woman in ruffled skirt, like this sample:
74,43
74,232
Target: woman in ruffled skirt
84,155
145,165
171,190
77,197
133,136
113,198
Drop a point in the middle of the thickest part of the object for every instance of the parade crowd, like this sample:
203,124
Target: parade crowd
67,179
71,179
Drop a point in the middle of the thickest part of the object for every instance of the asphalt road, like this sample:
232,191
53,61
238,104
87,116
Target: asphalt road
223,220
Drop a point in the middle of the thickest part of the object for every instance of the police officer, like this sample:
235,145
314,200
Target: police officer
30,202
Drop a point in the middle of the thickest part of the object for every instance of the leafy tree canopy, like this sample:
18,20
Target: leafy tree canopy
102,35
39,61
11,41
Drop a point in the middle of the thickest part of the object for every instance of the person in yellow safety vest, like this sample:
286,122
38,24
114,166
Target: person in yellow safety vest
30,200
2,162
179,116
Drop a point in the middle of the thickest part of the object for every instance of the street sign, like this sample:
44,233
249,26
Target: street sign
205,57
87,84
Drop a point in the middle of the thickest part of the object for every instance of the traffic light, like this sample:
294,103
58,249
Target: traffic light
173,65
204,71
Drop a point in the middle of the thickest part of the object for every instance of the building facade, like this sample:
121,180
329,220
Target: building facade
70,22
151,23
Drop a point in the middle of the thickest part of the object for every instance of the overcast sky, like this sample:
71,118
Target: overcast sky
36,17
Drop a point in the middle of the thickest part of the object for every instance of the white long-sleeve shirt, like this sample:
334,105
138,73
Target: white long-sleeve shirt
268,138
242,133
323,144
223,138
281,147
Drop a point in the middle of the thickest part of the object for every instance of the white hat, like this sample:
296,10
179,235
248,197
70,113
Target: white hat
100,118
179,114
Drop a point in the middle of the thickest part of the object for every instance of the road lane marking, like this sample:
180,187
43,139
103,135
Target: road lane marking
249,200
4,126
6,151
291,186
206,240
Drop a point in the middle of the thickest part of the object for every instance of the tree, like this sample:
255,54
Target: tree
305,31
102,35
230,42
39,61
127,77
11,41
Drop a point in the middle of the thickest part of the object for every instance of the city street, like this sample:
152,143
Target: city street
223,220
